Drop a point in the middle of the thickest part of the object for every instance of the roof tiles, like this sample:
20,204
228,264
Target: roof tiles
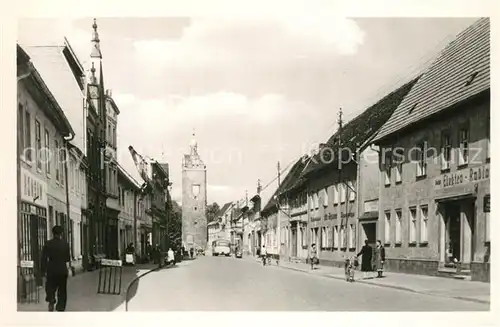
446,82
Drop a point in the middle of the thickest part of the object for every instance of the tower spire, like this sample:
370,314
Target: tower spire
96,47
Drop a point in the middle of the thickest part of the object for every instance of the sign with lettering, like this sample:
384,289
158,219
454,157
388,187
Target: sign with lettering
27,264
349,215
109,262
33,189
486,203
463,177
371,205
330,216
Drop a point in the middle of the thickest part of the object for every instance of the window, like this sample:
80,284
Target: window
342,237
325,197
114,136
398,226
424,218
27,137
387,227
387,166
20,124
56,147
336,237
61,162
109,133
335,194
351,190
47,152
324,238
342,192
38,142
463,153
196,190
421,160
316,200
351,236
445,151
413,225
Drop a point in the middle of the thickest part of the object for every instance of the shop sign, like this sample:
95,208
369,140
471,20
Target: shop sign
348,215
27,264
463,177
111,263
33,189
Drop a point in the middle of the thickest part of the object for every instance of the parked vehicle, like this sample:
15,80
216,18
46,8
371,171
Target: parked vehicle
221,247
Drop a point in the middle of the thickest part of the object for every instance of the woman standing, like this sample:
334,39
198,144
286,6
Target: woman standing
379,259
313,256
366,259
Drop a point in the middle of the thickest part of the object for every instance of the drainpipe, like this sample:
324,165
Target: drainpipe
66,159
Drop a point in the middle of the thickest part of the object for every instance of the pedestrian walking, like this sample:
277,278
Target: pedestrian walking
191,252
379,259
366,259
313,256
56,261
170,256
263,254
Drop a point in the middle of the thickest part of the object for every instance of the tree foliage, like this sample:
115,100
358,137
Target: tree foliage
212,210
175,225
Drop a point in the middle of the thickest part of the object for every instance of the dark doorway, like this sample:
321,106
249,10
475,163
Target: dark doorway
370,233
453,228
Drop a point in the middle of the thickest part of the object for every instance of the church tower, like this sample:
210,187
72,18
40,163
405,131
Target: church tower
194,199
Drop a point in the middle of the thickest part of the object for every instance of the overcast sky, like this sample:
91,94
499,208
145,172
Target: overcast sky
255,91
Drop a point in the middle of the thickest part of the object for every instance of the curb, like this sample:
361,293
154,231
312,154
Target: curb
135,280
401,288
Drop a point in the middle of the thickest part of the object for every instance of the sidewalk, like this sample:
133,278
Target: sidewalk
437,286
82,292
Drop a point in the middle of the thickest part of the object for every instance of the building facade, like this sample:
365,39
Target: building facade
95,225
128,193
435,165
159,198
111,171
64,75
194,199
42,131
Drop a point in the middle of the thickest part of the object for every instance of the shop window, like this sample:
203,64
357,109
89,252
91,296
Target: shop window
342,191
325,197
336,237
352,230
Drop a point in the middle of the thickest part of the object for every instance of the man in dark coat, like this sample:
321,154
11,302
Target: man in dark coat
366,259
55,256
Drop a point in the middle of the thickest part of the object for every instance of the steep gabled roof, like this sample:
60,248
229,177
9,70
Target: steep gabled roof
461,71
359,130
290,179
224,208
57,73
